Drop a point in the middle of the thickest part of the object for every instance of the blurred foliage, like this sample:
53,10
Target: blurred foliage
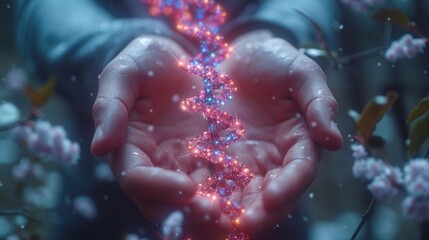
396,17
373,113
419,122
39,97
376,108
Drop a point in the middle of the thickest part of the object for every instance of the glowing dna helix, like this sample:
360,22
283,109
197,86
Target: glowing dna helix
201,19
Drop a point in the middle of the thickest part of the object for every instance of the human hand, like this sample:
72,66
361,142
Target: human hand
143,132
148,146
287,112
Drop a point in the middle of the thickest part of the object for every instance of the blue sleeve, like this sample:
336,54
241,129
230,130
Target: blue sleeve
72,40
281,17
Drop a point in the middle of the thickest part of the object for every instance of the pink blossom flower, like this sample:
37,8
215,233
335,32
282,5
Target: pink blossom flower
369,168
49,140
358,150
405,47
417,208
16,79
416,177
382,188
26,169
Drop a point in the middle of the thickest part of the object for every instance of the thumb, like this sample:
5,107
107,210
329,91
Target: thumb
111,117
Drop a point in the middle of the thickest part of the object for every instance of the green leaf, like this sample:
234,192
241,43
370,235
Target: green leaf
319,34
373,113
396,17
419,133
420,109
39,97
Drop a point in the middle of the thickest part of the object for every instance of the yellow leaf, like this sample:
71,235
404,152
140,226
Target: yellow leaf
419,132
39,97
373,113
421,108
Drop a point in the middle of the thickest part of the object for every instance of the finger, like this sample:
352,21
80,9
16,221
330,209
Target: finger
257,218
116,94
308,87
293,178
202,211
199,213
141,180
125,79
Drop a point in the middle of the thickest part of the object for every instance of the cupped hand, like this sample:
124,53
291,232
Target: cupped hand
288,114
142,130
283,102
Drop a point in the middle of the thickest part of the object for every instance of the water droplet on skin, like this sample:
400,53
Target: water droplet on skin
274,98
290,89
206,217
135,153
150,110
193,87
311,195
150,73
327,138
175,98
151,128
313,124
180,192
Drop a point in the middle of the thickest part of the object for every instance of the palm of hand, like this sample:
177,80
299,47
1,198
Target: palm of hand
152,163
